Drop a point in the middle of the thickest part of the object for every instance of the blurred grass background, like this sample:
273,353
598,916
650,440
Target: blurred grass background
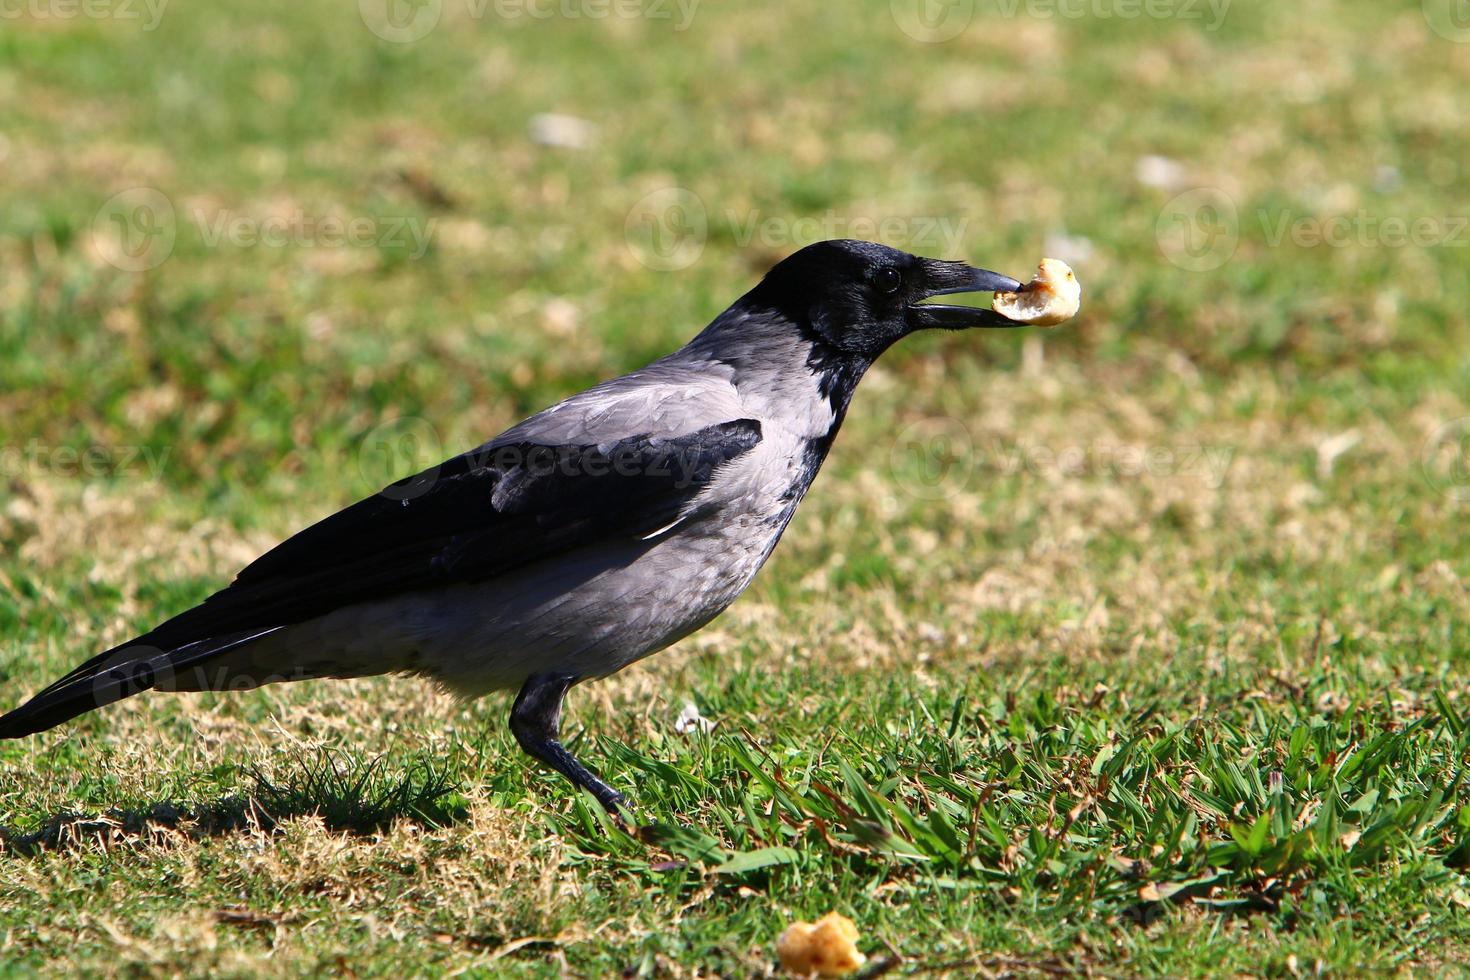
1173,597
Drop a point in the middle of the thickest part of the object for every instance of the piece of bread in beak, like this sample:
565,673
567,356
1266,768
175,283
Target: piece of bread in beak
1053,297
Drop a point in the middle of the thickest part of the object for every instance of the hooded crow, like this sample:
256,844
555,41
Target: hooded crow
587,537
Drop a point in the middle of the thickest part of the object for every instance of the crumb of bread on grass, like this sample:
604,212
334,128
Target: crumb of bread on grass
825,948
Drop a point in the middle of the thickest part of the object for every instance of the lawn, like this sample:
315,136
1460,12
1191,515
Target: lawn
1136,647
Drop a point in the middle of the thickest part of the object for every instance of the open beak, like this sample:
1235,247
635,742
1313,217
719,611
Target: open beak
949,278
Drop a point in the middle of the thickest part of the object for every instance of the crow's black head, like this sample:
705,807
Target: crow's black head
857,298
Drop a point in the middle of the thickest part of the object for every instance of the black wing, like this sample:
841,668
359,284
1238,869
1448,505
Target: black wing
479,515
470,519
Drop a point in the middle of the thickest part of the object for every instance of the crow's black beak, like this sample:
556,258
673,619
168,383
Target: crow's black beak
948,278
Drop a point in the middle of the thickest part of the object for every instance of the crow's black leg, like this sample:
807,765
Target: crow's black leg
535,720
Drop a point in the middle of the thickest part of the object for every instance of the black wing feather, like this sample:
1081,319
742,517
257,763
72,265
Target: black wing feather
515,502
476,516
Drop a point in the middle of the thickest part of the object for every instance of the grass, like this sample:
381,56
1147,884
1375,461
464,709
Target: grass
1133,648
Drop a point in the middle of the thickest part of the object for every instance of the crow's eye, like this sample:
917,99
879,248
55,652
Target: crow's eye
888,280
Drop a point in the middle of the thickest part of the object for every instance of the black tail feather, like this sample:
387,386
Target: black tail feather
118,673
